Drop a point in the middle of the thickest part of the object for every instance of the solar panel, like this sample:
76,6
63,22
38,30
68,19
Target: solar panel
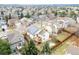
32,30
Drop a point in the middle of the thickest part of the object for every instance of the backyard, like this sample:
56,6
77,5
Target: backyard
62,36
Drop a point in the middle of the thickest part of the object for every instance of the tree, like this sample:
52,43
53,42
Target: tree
73,15
6,19
46,49
39,13
62,14
4,47
21,15
75,18
24,49
55,13
28,15
30,49
2,13
9,16
17,12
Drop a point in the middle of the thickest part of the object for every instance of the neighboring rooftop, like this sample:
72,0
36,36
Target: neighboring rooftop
32,29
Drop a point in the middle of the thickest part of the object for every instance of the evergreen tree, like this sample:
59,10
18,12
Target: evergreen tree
21,16
73,15
6,19
2,13
55,13
4,47
46,49
9,16
28,15
63,14
30,49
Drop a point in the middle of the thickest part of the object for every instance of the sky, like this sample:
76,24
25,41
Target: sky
39,1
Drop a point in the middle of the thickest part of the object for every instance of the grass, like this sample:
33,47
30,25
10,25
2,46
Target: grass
0,29
61,49
62,36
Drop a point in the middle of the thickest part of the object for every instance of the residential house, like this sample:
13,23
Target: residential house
16,40
77,19
73,50
32,31
44,35
3,35
26,21
20,27
3,25
48,29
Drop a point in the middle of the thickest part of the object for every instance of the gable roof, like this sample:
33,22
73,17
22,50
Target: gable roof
15,37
